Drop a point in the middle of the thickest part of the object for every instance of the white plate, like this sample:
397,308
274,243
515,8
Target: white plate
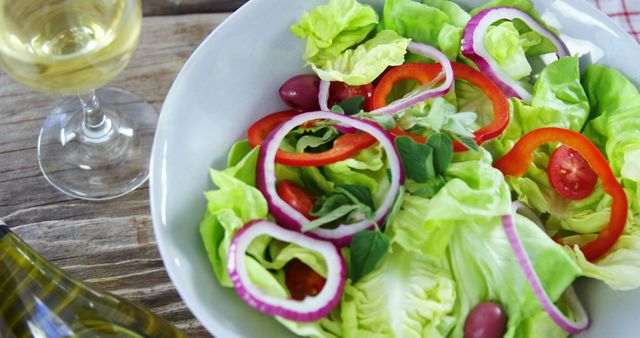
233,78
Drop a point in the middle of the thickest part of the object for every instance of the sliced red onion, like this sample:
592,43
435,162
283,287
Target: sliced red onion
473,46
289,217
426,91
323,95
573,327
310,308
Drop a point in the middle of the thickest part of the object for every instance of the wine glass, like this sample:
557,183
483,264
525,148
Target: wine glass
95,145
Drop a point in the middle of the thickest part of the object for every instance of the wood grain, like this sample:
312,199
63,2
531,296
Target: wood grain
110,244
174,7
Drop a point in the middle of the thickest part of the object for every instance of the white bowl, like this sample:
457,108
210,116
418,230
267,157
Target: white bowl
233,78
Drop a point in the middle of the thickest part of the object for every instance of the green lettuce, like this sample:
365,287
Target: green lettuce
615,118
408,295
485,268
229,207
333,27
435,22
366,62
504,44
541,325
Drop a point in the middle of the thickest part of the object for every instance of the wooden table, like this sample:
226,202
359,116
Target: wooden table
110,244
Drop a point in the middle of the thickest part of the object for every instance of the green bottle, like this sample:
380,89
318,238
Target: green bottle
39,300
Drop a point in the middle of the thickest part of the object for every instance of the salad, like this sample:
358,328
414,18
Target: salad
432,177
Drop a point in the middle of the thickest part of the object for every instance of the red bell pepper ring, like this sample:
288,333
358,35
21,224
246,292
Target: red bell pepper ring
517,161
344,147
424,73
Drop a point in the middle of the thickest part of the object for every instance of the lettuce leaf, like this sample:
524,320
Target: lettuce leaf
229,207
615,117
366,62
503,43
541,325
333,27
434,22
408,295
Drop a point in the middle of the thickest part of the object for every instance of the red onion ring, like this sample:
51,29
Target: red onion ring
290,218
426,92
310,308
573,327
473,46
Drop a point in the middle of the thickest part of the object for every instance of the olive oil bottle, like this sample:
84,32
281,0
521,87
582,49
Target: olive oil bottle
39,300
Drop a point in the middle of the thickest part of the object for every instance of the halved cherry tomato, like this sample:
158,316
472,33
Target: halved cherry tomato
344,146
297,197
301,280
570,174
339,91
424,73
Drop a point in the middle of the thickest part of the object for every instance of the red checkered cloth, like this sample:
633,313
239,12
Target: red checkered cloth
624,12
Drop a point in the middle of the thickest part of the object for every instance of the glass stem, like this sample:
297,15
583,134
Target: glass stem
95,124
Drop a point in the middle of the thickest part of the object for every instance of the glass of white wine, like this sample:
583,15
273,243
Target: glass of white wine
94,145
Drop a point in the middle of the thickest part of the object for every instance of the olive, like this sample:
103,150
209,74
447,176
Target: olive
301,92
486,320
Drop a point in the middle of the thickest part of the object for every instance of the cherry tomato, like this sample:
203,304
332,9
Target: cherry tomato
301,280
297,197
570,174
339,91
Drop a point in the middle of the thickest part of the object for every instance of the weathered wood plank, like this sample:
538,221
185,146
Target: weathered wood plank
110,244
174,7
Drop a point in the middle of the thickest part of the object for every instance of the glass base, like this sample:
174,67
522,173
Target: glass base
98,164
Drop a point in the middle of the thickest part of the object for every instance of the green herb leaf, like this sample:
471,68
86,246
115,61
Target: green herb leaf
330,217
352,105
417,159
468,142
442,151
328,203
367,249
357,193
